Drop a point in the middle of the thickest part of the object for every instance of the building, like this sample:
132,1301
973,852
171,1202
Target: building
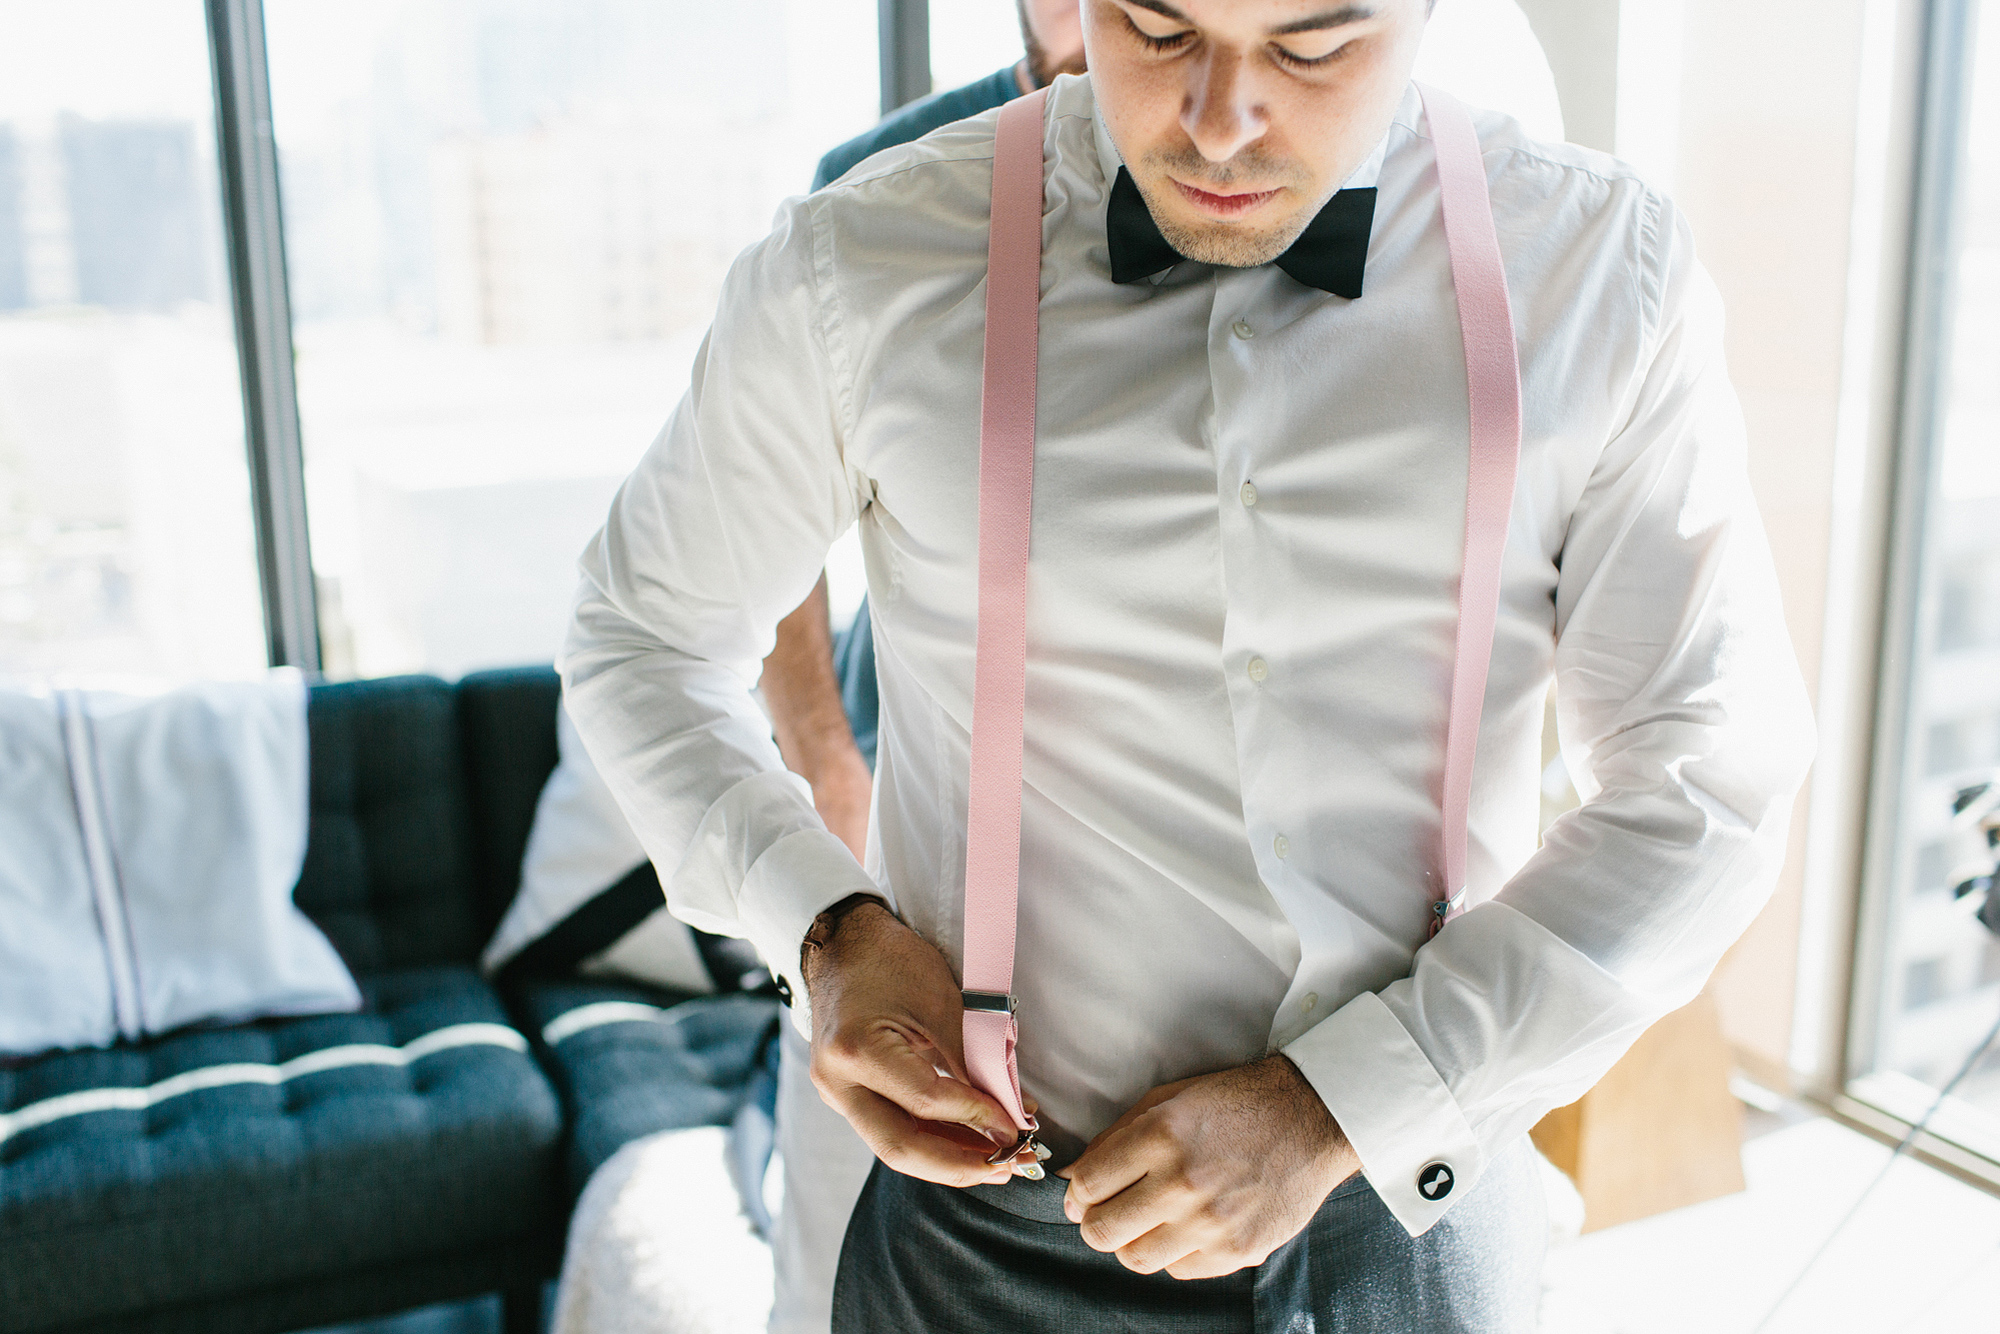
135,213
13,248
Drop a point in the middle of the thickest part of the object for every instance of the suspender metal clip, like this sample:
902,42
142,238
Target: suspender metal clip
1032,1171
1002,1002
991,1002
1443,909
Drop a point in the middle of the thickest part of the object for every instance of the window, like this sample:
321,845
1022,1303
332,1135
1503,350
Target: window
1930,989
507,225
970,39
1923,983
126,539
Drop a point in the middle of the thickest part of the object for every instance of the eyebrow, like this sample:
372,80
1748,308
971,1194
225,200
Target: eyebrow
1331,18
1320,22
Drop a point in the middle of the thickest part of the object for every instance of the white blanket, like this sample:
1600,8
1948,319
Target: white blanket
148,849
658,1244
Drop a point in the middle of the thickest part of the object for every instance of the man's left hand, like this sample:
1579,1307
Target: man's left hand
1210,1174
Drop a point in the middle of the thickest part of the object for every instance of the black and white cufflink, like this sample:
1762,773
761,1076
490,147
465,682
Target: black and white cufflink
1435,1181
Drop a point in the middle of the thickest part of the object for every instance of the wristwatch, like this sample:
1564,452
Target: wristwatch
820,934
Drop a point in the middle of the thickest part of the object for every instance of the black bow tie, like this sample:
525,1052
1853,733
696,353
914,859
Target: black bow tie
1330,253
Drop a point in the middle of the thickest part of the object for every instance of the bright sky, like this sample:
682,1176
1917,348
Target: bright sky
970,39
103,58
344,39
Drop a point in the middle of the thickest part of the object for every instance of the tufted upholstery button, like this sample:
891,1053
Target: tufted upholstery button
284,1139
388,873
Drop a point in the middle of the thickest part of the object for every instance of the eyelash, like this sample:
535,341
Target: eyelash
1177,40
1300,62
1168,43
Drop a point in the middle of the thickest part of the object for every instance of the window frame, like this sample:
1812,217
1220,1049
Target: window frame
904,30
259,291
1909,603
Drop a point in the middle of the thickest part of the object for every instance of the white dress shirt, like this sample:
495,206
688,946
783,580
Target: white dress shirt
1249,500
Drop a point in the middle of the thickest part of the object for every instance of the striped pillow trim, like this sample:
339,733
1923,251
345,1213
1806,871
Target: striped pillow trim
219,1076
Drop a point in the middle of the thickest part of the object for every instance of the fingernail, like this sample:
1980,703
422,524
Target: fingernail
1070,1211
1000,1178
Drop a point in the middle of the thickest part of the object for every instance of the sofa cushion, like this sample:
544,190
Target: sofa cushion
508,721
632,1061
389,868
214,1162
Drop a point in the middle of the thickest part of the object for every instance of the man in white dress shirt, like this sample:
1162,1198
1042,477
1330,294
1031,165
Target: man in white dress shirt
1247,537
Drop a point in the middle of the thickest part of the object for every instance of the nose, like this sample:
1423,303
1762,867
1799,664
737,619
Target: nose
1220,110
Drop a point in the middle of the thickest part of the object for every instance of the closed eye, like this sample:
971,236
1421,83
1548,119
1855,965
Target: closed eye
1296,61
1172,41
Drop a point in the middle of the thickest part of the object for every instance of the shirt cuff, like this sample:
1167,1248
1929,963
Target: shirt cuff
795,880
1415,1146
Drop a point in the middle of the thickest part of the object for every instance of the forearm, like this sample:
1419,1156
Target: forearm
803,696
689,756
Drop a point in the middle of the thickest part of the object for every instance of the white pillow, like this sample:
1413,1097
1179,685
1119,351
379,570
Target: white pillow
148,851
589,902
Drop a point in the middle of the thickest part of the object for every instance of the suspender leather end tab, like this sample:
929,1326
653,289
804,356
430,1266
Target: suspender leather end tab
990,1002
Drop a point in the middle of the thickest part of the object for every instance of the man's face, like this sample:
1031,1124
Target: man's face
1053,32
1239,118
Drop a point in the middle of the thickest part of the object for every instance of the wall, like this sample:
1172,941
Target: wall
1766,174
1755,118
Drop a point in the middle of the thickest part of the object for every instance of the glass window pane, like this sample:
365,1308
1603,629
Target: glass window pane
126,542
507,224
972,38
1941,988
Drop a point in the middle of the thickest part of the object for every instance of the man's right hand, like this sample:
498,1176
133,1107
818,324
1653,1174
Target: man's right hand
888,1054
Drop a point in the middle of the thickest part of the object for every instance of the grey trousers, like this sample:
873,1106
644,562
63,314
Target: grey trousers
927,1259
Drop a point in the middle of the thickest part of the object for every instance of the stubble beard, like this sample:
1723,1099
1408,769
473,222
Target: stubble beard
1041,67
1229,245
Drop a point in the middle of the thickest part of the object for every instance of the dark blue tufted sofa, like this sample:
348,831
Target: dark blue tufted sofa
439,1160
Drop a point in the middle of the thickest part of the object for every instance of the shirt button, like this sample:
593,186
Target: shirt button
1282,846
1258,669
1312,1001
1242,329
1249,494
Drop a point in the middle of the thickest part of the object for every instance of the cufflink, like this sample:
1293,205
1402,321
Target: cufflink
1435,1181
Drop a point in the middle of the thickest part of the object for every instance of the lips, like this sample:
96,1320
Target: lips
1222,206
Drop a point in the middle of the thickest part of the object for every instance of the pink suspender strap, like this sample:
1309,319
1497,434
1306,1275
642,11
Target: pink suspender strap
1006,481
1493,383
999,685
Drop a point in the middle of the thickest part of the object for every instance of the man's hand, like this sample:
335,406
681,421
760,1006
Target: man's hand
1211,1174
887,1019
